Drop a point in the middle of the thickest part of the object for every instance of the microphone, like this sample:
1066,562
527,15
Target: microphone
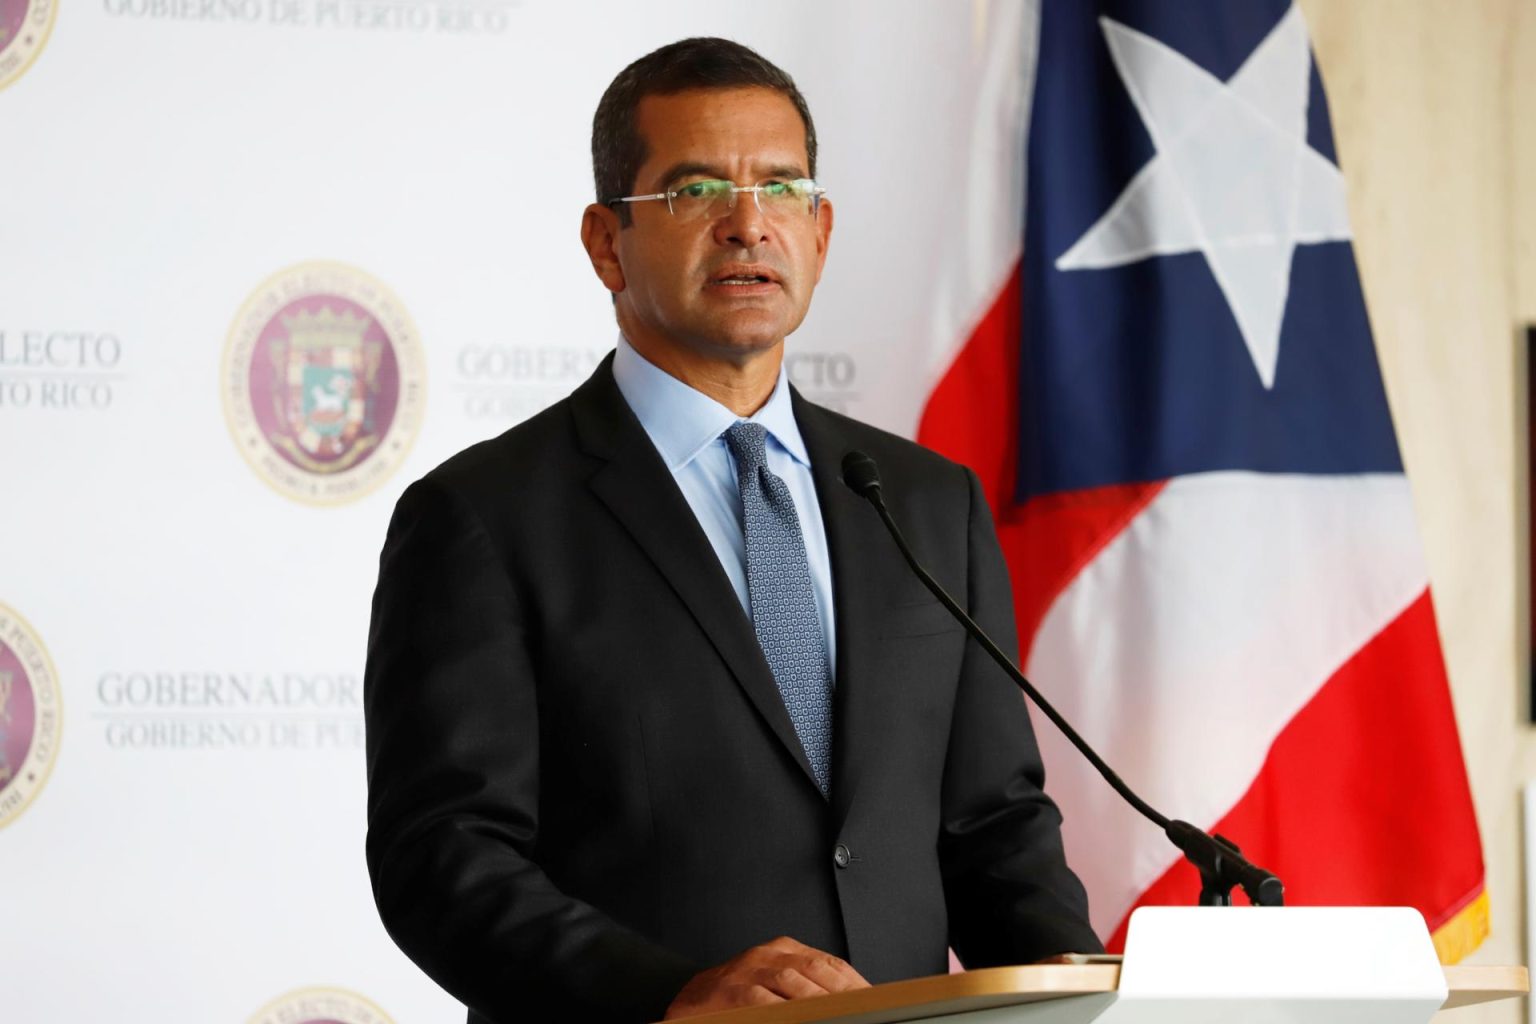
861,474
1220,863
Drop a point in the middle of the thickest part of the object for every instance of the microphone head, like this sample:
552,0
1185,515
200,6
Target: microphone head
861,475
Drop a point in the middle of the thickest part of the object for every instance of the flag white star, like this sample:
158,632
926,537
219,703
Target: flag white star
1233,177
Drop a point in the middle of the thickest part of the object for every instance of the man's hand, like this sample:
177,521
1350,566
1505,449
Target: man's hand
770,973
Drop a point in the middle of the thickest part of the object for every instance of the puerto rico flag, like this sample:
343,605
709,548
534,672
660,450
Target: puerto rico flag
1167,382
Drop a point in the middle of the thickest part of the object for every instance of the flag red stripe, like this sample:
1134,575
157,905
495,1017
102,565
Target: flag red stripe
1381,734
972,416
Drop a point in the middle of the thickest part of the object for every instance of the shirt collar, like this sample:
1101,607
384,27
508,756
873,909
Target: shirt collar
682,422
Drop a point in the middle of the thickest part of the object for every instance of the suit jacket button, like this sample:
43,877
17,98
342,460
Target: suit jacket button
841,856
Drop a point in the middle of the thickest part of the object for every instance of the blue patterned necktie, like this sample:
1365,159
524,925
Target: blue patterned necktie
783,601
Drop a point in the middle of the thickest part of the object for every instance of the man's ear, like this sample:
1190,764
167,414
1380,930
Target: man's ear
823,235
600,237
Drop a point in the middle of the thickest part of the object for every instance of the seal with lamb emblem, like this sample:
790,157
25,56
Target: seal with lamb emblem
324,383
24,28
30,715
320,1006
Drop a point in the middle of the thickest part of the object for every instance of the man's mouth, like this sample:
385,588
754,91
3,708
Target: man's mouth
744,276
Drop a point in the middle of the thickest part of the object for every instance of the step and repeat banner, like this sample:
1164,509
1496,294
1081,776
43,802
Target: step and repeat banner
262,264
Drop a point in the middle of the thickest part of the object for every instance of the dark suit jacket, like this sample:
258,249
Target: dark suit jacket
584,786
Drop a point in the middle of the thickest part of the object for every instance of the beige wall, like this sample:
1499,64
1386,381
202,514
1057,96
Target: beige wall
1432,103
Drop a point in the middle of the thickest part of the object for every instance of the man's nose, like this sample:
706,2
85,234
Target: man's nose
744,226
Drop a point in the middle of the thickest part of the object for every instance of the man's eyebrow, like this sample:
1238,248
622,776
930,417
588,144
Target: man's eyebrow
790,171
687,168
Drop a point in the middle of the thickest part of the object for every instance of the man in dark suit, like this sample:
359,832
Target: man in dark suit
659,723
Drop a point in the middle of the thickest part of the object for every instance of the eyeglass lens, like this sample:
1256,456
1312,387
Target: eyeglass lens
714,198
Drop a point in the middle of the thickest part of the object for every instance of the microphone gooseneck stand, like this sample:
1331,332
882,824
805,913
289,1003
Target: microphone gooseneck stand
1221,865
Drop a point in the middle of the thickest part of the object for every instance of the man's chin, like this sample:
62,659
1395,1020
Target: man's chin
742,337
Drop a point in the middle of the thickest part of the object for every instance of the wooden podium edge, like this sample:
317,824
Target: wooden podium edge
1010,986
933,996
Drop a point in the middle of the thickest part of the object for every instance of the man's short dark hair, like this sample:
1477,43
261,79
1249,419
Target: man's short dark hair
700,63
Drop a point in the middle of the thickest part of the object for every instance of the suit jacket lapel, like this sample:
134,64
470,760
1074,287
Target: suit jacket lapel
638,489
854,539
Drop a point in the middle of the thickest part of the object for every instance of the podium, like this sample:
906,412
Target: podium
1193,965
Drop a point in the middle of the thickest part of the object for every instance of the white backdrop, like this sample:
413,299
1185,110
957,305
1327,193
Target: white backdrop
182,793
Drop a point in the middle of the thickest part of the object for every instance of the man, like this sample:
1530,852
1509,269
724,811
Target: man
658,721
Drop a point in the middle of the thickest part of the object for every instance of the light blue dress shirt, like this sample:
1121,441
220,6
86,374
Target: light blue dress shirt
685,426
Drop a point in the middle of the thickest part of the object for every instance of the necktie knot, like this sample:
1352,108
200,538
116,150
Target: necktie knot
747,442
